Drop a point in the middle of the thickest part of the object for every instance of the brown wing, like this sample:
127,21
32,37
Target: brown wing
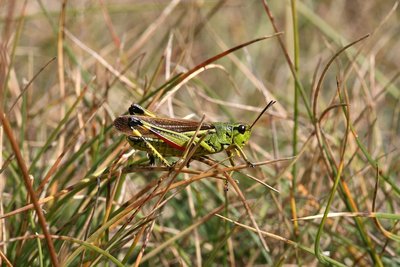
178,125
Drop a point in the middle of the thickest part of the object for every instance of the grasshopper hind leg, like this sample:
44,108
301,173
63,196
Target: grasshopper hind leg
139,142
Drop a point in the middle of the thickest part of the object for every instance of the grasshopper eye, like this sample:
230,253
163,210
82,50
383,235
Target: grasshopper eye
241,129
133,122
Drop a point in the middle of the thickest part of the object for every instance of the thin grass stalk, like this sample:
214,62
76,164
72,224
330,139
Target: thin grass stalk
60,65
5,259
287,241
56,130
21,21
318,253
188,153
182,233
28,185
85,244
180,78
297,81
295,116
351,203
329,162
333,34
386,233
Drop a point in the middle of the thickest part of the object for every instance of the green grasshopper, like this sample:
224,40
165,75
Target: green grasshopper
161,137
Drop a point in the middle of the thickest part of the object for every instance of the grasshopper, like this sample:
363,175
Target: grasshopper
161,137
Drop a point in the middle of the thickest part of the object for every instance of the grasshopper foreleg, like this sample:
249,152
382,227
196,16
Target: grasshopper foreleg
243,155
239,151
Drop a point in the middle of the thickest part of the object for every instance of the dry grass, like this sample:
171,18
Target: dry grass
337,113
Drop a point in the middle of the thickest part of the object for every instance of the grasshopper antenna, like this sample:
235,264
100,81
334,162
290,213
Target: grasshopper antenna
262,112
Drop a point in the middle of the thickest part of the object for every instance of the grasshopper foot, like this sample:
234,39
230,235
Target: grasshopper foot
250,164
188,163
226,186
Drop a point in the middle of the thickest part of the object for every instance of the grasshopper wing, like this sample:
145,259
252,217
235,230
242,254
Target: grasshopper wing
169,130
175,125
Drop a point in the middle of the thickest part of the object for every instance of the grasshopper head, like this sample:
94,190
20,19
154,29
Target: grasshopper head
241,134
